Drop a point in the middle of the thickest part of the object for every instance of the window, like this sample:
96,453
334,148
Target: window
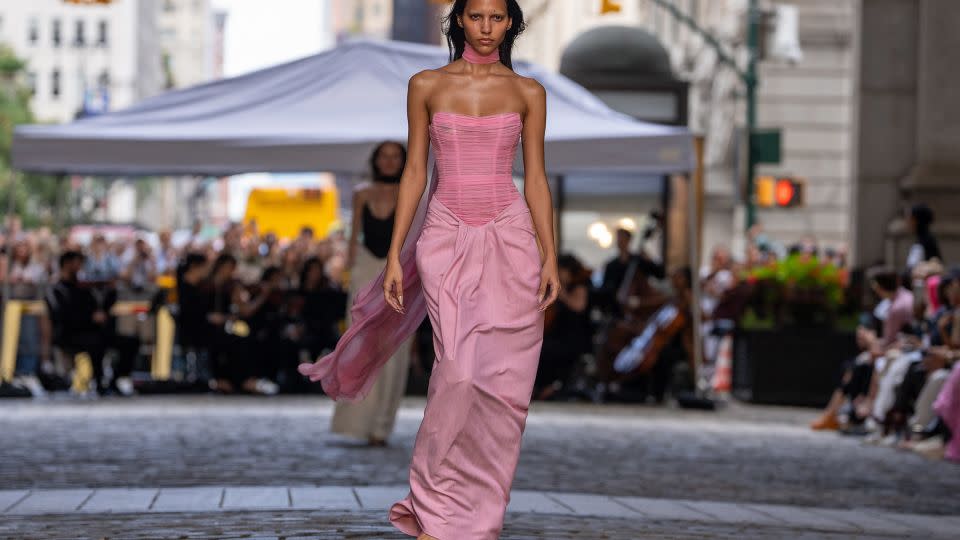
103,80
169,6
102,34
32,82
56,33
55,84
33,31
80,40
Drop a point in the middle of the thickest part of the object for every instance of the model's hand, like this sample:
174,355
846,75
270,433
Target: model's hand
549,284
393,285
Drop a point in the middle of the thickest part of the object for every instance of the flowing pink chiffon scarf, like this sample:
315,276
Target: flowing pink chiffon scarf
348,372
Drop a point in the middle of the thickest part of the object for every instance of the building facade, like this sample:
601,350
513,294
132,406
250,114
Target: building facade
908,126
85,59
372,18
810,101
188,33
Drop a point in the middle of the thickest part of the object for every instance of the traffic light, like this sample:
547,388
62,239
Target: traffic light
610,6
780,192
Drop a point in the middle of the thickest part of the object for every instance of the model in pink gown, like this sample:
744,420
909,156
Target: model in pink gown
473,267
479,266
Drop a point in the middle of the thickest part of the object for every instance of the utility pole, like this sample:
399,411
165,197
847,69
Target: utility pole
749,79
753,47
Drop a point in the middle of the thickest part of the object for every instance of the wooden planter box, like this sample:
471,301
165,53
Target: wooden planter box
789,366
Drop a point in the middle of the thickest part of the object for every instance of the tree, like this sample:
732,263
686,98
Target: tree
36,196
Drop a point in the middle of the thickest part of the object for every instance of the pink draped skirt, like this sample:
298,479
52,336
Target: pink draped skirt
480,284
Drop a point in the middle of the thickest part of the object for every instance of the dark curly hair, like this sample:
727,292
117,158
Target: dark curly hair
374,170
456,37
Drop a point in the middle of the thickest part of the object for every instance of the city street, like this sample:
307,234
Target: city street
215,467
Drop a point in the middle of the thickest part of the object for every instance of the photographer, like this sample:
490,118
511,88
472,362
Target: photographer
81,320
141,271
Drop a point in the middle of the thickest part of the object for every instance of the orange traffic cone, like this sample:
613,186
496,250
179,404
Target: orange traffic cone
723,373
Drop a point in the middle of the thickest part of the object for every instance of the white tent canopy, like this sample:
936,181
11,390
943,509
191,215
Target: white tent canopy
325,113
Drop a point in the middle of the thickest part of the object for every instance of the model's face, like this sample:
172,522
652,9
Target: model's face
485,23
390,160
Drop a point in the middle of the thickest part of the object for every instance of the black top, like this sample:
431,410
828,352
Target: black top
195,302
572,327
377,232
71,306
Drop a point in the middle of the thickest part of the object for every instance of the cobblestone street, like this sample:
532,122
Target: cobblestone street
750,456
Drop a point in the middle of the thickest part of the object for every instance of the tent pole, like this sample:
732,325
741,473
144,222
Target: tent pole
561,202
695,187
11,206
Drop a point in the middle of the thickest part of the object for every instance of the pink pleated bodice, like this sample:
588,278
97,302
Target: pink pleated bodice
475,156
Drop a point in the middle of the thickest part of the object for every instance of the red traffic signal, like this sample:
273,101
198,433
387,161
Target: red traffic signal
779,192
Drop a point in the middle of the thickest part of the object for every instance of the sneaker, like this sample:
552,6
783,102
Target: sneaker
826,422
124,386
889,441
266,387
31,383
931,448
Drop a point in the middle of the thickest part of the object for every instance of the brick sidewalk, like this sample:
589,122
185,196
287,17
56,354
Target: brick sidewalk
744,457
99,513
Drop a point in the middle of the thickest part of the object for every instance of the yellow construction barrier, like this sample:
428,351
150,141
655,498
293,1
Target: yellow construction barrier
162,356
163,348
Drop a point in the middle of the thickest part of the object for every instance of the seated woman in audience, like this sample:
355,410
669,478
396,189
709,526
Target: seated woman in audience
324,305
568,333
275,337
896,308
231,354
913,404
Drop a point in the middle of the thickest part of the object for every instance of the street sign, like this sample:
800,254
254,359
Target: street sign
765,145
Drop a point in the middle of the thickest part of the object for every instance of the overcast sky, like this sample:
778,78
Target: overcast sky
262,33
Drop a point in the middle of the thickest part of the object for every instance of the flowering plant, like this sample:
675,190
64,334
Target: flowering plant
799,290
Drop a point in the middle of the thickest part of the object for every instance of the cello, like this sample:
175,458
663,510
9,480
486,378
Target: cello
634,345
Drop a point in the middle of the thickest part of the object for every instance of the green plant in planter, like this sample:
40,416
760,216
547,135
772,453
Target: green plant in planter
798,290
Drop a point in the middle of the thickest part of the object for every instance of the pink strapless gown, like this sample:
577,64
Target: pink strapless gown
474,269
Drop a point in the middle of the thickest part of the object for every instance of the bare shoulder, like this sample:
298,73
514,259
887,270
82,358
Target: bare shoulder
424,79
532,91
362,190
533,94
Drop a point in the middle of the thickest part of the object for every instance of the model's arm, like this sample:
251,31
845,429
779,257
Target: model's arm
412,182
536,189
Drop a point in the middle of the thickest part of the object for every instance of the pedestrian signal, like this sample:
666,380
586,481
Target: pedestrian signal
779,192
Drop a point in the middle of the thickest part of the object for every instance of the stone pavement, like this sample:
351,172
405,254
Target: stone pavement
65,508
586,471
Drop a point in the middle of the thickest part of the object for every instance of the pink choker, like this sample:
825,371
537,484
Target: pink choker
471,55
